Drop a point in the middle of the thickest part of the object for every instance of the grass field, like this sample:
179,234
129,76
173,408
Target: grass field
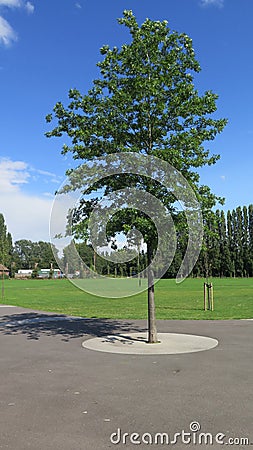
233,299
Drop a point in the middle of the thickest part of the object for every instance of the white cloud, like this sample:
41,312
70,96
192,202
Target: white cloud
12,175
7,34
45,172
29,7
11,3
223,177
27,215
48,176
78,6
219,3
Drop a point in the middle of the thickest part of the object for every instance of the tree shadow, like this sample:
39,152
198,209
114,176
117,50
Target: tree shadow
36,325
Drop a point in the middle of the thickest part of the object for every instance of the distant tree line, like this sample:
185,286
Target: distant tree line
27,254
23,254
97,263
227,245
227,250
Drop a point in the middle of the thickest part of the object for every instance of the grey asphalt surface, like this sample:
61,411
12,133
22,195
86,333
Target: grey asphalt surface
55,394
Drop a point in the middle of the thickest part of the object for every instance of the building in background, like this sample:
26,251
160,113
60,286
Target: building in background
4,271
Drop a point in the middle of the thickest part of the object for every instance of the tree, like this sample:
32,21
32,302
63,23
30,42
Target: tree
6,247
245,243
238,236
27,253
225,257
231,243
144,102
70,259
215,245
23,254
250,218
209,254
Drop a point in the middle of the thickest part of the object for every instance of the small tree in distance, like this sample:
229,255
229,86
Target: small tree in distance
144,102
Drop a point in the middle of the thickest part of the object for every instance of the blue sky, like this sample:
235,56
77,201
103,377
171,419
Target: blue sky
48,47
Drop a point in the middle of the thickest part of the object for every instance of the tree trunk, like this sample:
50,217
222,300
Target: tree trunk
152,331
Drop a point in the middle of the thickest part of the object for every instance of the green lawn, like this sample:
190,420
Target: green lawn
233,299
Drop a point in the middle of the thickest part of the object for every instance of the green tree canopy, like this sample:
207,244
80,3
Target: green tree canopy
28,253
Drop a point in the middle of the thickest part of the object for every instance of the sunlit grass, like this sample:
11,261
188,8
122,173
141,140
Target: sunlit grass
233,299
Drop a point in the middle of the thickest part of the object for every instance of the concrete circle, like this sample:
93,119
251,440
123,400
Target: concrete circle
136,344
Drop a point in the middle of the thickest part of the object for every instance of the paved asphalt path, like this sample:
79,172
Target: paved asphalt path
57,395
